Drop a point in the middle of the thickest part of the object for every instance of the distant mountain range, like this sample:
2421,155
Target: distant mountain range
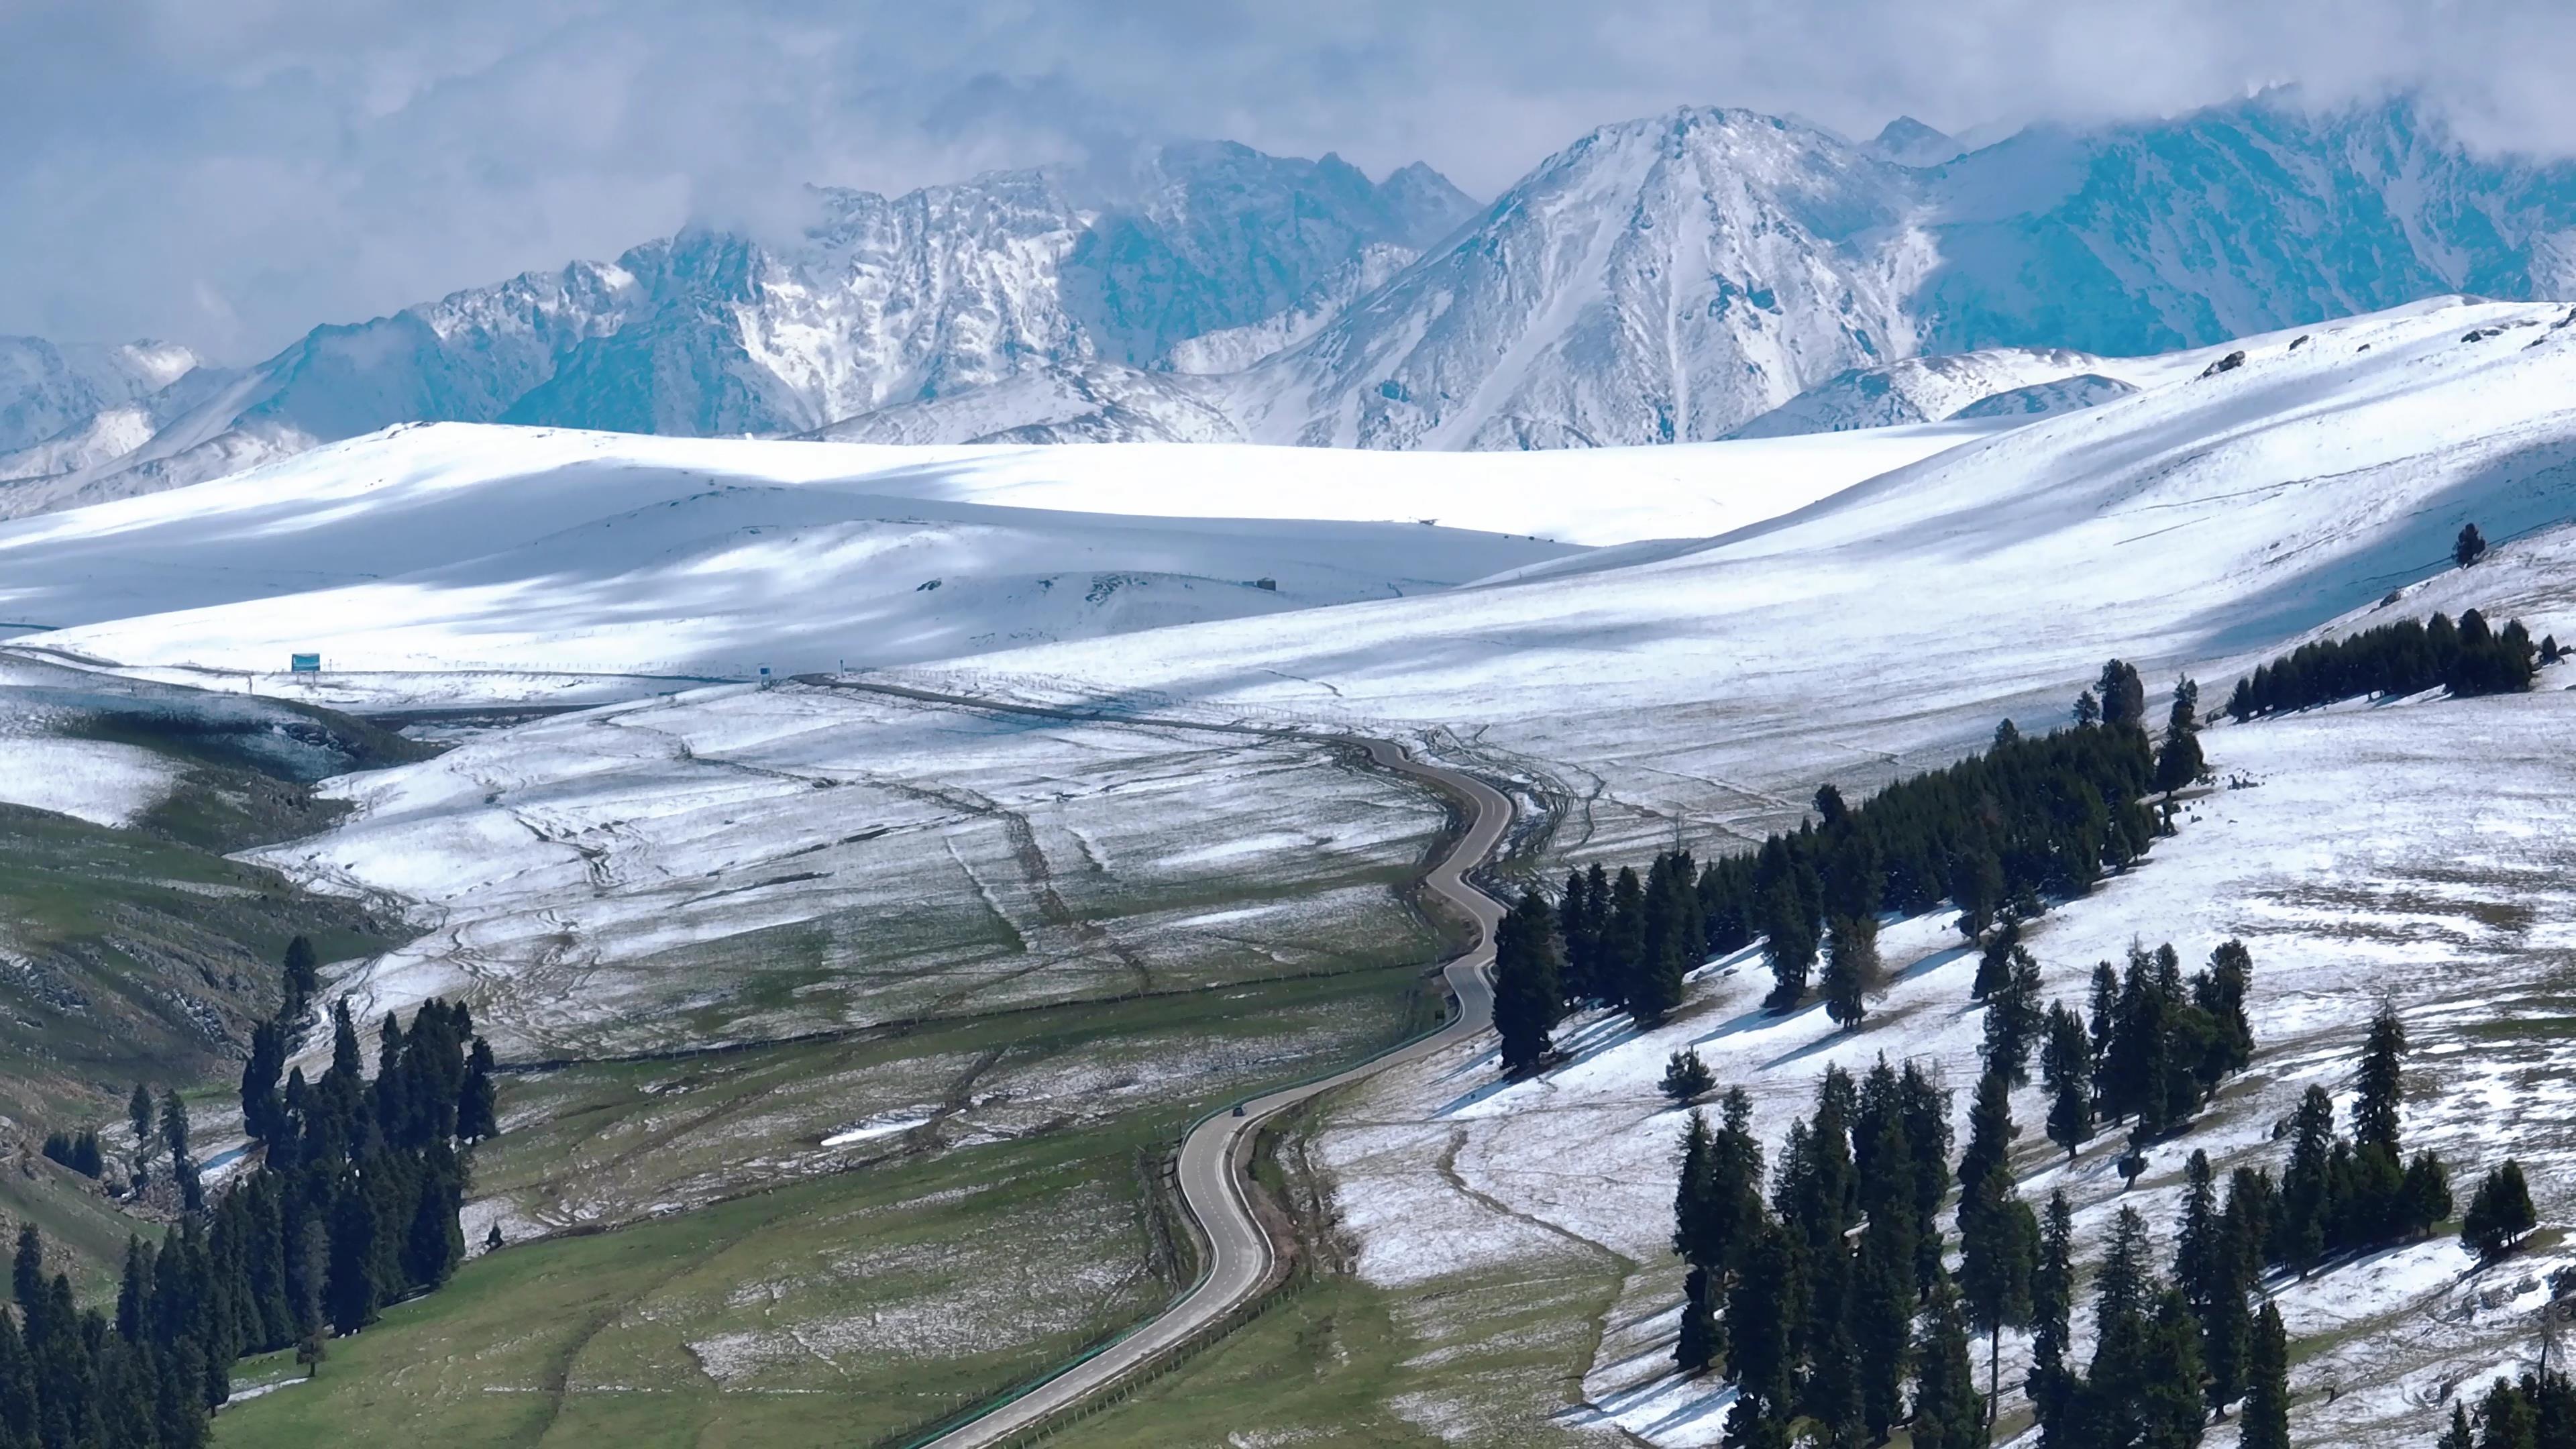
1677,277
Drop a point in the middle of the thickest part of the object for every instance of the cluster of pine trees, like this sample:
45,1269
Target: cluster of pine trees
2536,1411
353,1204
1827,1299
2468,658
1996,834
1810,1298
2342,1195
71,1378
78,1151
2154,1048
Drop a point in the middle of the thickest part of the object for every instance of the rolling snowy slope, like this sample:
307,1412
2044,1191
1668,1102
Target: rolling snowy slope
460,548
453,546
1894,622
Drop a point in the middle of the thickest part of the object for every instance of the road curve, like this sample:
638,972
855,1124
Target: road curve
1213,1157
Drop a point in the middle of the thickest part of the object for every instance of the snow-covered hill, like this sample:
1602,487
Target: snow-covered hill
2183,526
1928,389
459,546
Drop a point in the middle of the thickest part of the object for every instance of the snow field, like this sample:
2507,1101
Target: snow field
738,863
2409,850
1888,626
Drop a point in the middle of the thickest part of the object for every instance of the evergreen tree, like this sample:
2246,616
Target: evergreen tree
1574,926
2499,1214
477,1115
2066,1068
2469,547
1925,1108
1998,1238
2382,1088
1883,1285
1686,1077
2267,1385
259,1079
2179,762
2169,1405
1851,969
2457,1436
345,1061
1763,1320
2013,1019
2306,1203
1789,941
2123,695
1699,1343
1948,1412
139,1117
1994,961
2052,1302
1528,994
303,977
174,1138
2507,1419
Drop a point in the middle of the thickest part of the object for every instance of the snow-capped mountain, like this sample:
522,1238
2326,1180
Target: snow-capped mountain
879,302
45,388
1673,278
1666,279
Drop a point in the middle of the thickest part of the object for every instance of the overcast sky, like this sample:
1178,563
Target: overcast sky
228,173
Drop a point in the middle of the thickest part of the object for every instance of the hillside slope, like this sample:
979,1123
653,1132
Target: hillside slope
2183,526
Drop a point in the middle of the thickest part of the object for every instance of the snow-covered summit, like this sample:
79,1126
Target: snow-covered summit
1666,279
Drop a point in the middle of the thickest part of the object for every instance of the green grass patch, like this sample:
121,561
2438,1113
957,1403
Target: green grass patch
831,1309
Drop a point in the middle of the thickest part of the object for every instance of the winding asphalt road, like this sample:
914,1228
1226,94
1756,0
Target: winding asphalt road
1214,1157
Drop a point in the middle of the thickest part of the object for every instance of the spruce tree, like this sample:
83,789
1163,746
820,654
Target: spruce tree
1686,1077
1883,1286
2458,1434
2267,1385
2376,1107
2499,1214
2179,762
1998,1250
1789,941
1851,969
1948,1411
1698,1345
2169,1404
2013,1019
345,1061
303,978
1925,1107
1695,1201
1990,1136
139,1117
2506,1419
2306,1202
1764,1325
2066,1068
2052,1303
1528,995
2469,546
1573,927
477,1114
1994,960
